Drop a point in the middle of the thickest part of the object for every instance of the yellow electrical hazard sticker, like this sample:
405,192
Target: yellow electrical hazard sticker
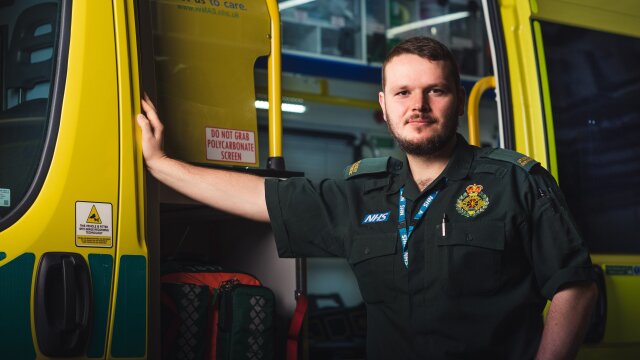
94,222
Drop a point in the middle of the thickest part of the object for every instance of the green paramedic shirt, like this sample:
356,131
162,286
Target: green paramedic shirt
475,293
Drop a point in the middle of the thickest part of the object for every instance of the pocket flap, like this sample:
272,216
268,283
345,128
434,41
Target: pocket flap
370,246
488,234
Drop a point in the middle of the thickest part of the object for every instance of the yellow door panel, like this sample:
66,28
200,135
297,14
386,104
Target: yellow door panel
573,81
524,83
70,230
619,17
198,46
128,325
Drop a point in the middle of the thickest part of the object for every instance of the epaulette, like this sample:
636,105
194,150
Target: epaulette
372,166
513,157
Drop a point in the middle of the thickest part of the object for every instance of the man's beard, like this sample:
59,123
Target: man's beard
432,145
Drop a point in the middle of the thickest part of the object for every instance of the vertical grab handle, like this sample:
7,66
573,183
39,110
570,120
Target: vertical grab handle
62,304
276,160
484,84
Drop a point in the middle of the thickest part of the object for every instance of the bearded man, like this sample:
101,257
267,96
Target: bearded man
456,249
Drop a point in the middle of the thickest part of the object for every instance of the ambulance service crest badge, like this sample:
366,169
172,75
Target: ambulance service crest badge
472,202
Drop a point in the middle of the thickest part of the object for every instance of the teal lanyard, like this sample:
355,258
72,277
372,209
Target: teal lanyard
405,233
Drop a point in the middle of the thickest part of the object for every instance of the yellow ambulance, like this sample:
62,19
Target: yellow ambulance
81,228
79,246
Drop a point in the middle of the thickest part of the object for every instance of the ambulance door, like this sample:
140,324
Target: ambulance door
128,322
61,187
569,72
198,63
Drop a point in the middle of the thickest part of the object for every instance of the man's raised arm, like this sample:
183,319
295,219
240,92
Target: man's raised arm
233,192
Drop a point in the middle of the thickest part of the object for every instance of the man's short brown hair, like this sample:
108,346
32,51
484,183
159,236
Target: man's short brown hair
426,48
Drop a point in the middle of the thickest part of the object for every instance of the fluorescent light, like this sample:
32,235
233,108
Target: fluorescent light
261,104
286,107
426,22
292,3
294,108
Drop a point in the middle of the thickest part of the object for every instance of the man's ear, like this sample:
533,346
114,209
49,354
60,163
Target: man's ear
461,100
381,101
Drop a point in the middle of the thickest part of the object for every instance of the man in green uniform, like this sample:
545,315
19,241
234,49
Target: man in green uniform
456,249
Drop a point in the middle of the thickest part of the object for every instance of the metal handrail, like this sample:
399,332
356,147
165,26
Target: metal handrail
484,84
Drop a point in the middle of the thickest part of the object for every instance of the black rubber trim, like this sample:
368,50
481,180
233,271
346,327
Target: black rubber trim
58,85
536,41
502,66
276,163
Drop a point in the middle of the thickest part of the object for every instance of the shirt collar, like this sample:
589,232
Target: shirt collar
457,169
461,160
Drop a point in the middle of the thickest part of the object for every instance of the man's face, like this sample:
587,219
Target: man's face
421,103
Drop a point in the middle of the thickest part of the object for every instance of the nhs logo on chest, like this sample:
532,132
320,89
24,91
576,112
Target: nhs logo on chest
376,218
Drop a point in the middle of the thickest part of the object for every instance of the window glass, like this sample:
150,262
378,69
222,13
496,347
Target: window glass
28,42
459,24
594,83
324,27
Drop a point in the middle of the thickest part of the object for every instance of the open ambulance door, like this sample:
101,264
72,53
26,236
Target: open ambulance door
568,83
73,269
197,63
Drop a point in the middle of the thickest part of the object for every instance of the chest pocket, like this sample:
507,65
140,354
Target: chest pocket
472,257
373,259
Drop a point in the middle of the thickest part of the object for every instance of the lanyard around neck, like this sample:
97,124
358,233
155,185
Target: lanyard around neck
405,233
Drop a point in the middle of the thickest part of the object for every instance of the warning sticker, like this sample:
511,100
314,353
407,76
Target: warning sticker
632,270
94,217
94,224
231,145
5,197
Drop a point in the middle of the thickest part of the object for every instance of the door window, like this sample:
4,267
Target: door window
594,83
28,41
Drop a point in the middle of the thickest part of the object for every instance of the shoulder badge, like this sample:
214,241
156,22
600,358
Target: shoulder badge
472,202
511,156
371,166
